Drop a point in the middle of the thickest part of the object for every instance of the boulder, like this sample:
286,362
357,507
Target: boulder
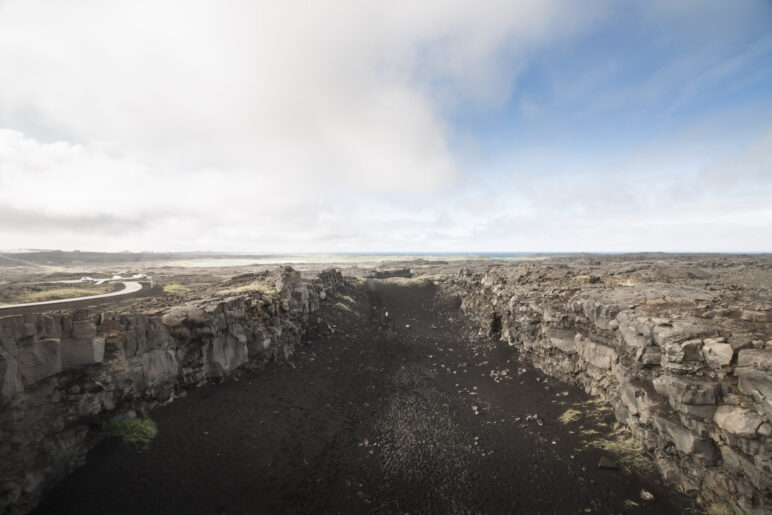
562,339
82,351
10,382
717,354
758,385
760,359
258,344
668,332
688,351
191,315
737,421
636,332
639,400
597,355
739,464
754,373
607,464
754,316
160,367
686,390
39,359
84,329
700,411
685,440
225,354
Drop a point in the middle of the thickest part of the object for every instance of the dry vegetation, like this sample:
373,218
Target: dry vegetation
25,293
629,452
568,416
175,288
248,288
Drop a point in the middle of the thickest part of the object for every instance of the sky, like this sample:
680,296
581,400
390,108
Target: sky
399,126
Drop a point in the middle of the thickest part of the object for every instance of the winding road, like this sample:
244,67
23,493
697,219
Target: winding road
128,287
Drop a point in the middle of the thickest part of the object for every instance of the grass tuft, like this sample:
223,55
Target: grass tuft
134,430
342,306
175,288
59,293
630,452
568,416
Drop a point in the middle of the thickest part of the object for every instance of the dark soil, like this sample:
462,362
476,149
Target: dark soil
377,417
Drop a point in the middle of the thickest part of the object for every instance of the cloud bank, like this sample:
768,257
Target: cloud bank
290,126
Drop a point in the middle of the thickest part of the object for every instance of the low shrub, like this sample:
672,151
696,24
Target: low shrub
134,430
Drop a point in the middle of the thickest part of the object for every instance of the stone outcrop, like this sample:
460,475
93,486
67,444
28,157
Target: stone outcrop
64,376
687,364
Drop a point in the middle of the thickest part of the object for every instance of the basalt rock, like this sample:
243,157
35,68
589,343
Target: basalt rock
680,353
64,376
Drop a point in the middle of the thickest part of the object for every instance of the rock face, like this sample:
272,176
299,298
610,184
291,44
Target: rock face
63,376
687,364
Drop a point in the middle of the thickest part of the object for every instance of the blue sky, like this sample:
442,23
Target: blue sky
432,126
625,83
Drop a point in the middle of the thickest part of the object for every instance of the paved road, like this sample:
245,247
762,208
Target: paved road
128,287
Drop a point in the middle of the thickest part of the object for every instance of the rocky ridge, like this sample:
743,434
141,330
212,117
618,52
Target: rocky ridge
64,376
683,353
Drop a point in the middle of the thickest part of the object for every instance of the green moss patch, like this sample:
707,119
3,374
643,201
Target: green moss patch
134,430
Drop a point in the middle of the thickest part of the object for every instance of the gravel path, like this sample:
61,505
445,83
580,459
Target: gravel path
377,417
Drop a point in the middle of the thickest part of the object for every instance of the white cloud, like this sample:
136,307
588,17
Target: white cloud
674,196
350,90
259,126
224,114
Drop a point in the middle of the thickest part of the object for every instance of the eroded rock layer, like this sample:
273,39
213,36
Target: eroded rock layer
65,375
681,351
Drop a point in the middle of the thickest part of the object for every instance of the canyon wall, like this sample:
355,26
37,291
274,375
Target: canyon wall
684,358
64,376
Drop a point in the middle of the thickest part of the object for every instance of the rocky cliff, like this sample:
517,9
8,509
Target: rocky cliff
682,354
64,376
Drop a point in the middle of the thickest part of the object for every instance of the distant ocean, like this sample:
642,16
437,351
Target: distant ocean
429,254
